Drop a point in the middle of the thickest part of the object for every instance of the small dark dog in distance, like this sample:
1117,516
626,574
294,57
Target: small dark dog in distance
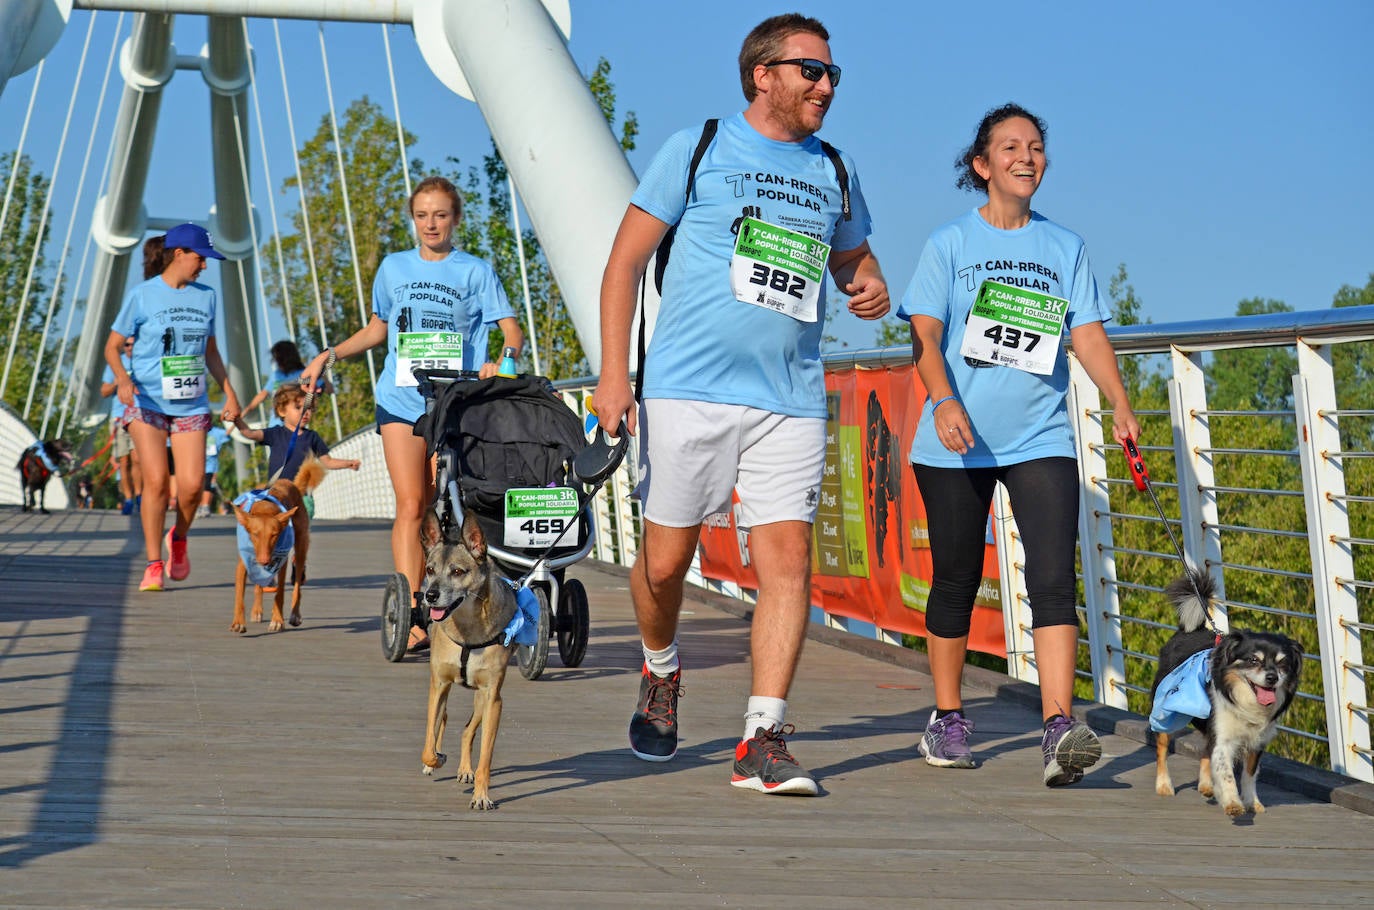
470,604
35,470
1251,680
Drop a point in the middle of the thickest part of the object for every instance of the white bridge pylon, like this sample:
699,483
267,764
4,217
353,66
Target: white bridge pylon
510,58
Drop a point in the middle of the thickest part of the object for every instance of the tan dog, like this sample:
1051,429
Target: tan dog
470,605
265,522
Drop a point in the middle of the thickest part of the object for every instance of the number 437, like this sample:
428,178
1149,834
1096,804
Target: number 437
1009,337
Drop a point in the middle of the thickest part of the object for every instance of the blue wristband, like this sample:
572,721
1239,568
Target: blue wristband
940,402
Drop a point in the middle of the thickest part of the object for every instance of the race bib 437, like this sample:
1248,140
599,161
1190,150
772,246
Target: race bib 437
1014,327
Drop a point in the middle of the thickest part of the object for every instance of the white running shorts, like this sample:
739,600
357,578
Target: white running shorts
693,453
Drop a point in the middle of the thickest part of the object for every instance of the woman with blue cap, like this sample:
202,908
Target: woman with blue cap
172,319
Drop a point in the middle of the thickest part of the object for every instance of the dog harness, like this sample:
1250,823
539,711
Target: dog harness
1182,694
521,630
42,452
258,574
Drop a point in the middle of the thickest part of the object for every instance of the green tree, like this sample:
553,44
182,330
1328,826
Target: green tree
893,332
20,236
488,231
376,191
1257,378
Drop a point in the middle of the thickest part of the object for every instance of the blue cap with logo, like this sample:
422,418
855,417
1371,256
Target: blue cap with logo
192,237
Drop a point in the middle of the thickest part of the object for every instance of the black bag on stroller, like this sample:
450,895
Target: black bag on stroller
504,434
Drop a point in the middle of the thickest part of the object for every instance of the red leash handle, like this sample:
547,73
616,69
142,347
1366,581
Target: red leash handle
1136,463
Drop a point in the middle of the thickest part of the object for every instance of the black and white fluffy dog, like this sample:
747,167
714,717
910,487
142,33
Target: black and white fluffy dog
1251,680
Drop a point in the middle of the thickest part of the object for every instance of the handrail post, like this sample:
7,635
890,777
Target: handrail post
1333,566
1197,498
1101,604
1016,615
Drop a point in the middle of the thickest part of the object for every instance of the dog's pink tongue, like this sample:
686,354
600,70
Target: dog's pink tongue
437,614
1264,696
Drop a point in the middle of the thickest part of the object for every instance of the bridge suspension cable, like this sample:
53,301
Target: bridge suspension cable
55,297
348,210
42,225
267,179
400,131
305,215
19,149
75,287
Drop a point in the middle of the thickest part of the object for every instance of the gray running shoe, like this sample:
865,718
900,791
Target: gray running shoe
945,743
653,727
763,763
1069,746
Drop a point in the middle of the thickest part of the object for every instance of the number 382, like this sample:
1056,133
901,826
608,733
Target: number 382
778,280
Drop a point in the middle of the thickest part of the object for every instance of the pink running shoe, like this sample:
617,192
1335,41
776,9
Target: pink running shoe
178,563
152,577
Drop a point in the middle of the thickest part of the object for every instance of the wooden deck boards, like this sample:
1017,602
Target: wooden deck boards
149,758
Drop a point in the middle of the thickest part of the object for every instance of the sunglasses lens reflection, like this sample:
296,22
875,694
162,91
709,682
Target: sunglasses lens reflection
813,70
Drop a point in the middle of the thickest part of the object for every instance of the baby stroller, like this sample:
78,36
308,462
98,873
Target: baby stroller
511,452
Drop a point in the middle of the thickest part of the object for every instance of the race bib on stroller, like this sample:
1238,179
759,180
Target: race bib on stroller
1014,327
778,269
540,516
426,351
183,377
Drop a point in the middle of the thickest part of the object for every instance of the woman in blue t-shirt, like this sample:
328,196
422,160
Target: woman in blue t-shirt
435,303
172,321
997,378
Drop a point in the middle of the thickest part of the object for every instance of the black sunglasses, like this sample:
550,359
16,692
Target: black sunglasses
813,70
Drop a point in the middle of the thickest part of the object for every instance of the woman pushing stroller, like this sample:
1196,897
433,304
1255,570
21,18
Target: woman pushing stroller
433,305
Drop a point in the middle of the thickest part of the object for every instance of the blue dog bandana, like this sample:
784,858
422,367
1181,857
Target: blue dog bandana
524,626
260,575
1182,695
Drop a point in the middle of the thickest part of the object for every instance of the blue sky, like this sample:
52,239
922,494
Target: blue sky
1221,150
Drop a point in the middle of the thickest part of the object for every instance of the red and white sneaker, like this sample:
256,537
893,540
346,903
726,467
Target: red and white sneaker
763,763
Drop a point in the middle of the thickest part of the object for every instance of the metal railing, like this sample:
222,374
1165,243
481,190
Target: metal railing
1316,561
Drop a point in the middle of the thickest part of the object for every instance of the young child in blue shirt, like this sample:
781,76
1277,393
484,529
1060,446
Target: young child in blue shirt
284,458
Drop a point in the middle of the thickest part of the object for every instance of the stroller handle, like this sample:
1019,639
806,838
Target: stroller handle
431,380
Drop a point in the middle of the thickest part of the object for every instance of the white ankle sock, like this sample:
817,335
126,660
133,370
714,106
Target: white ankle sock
765,712
662,663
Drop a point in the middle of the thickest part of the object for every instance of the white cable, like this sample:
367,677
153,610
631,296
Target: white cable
19,150
42,226
267,178
305,219
348,210
400,131
524,278
66,243
90,237
234,103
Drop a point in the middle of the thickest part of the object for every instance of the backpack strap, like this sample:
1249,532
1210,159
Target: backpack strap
665,246
841,175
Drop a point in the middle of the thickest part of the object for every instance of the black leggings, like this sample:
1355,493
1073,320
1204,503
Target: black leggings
1044,497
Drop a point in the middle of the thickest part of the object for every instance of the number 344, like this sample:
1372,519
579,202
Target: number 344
778,280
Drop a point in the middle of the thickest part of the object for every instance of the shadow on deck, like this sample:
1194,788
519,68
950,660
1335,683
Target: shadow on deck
151,758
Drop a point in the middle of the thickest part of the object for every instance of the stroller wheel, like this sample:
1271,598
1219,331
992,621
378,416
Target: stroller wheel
534,658
574,623
396,615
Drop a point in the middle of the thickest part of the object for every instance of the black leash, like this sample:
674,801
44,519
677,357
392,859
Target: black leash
1136,463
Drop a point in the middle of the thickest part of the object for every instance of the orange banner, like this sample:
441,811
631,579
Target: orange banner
871,559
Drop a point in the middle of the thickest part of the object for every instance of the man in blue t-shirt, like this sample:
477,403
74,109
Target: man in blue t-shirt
734,388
